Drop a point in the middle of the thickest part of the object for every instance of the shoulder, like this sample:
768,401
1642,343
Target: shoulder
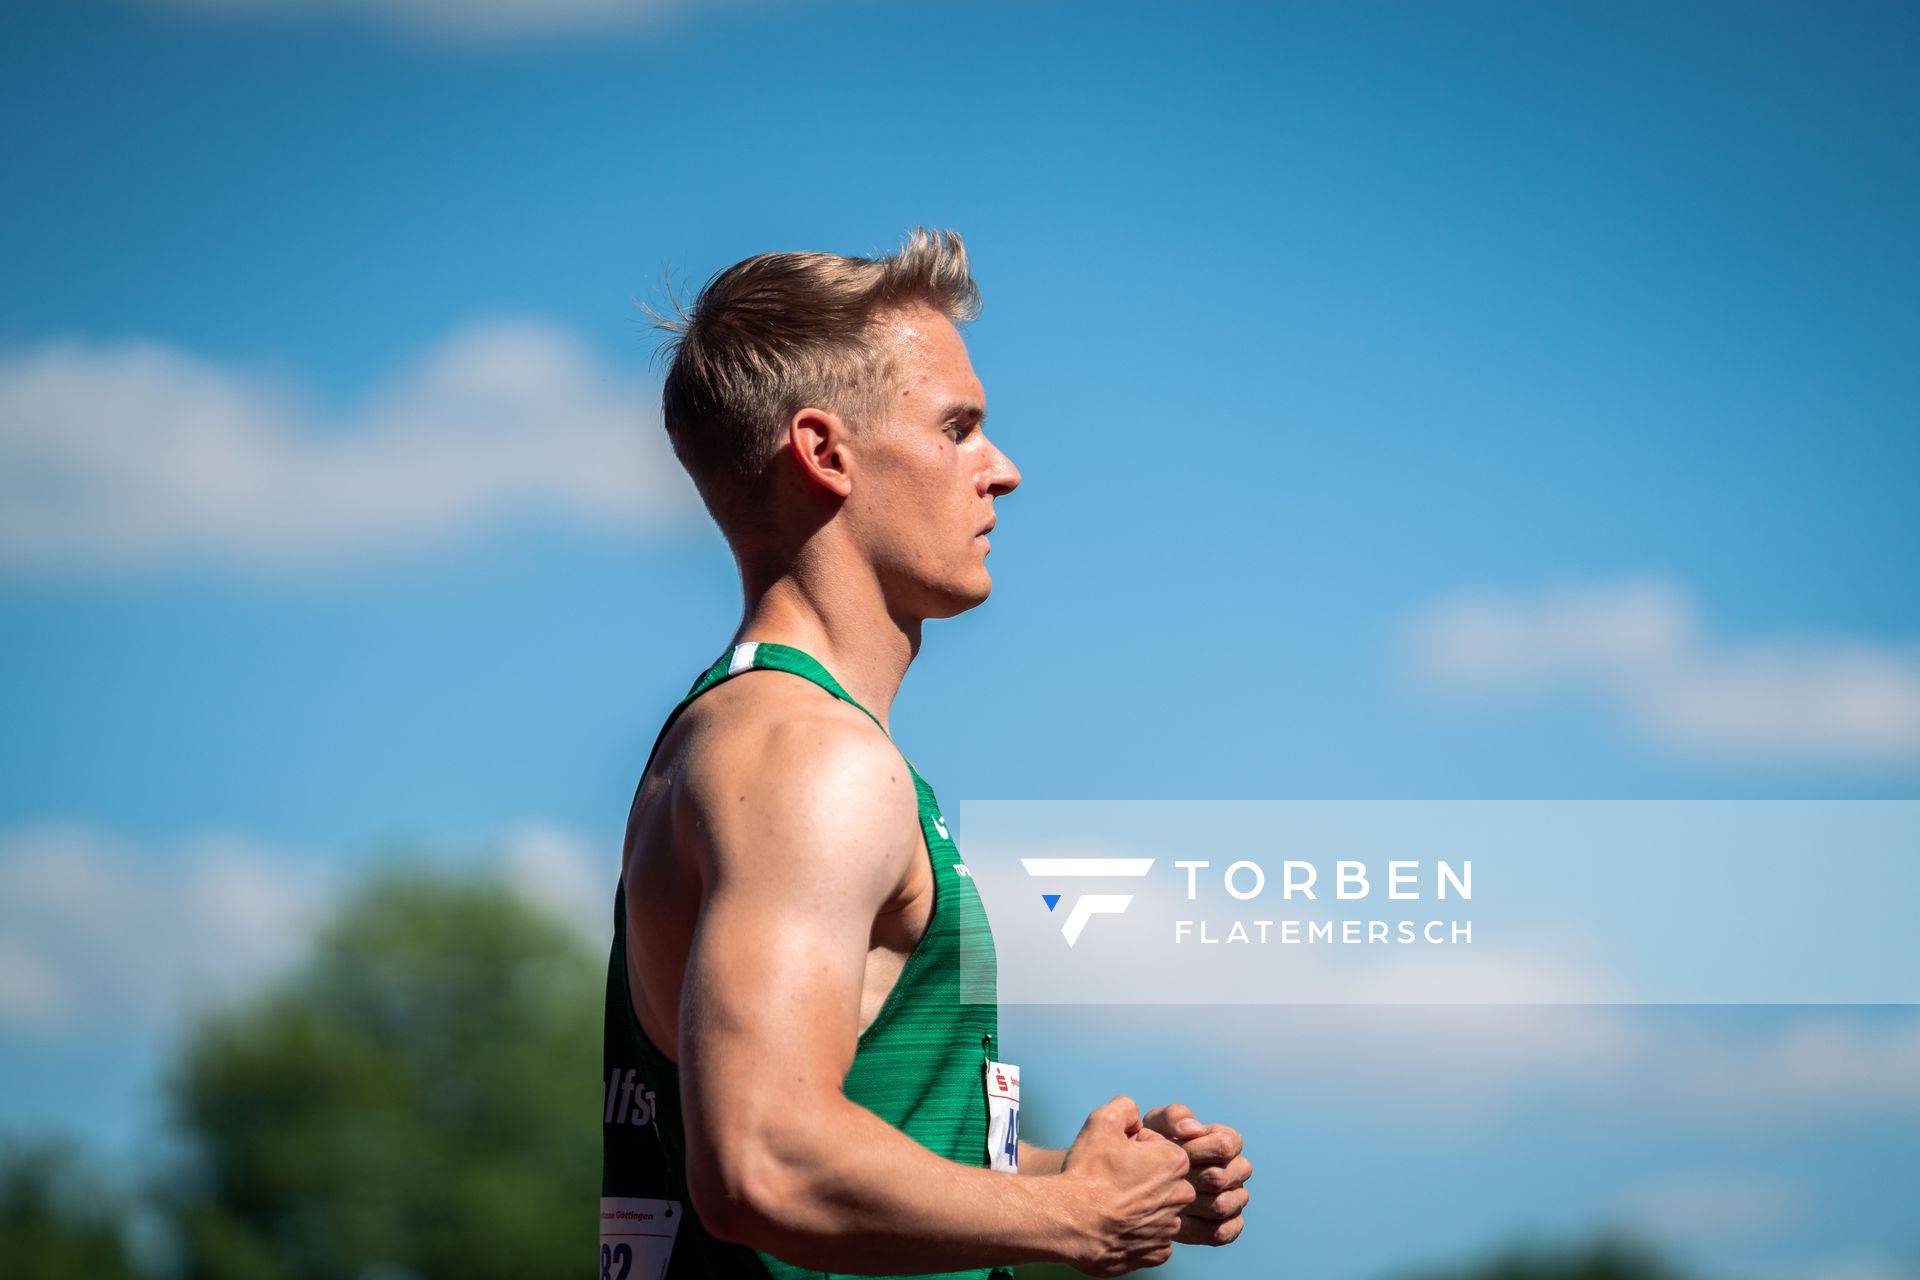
781,776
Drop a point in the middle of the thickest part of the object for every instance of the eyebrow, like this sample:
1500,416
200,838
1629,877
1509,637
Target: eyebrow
965,411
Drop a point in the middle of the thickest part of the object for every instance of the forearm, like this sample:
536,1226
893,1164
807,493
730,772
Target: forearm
1040,1159
845,1191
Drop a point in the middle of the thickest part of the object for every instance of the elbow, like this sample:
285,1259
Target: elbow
749,1196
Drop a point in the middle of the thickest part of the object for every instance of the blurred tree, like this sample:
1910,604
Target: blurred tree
419,1100
56,1219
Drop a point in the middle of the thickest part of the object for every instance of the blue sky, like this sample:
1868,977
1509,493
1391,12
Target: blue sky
1466,400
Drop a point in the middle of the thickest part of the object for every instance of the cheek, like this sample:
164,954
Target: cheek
924,501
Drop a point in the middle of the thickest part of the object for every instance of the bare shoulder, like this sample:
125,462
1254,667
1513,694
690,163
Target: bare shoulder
790,784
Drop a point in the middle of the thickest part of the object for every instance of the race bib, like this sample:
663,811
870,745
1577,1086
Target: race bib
636,1237
1003,1116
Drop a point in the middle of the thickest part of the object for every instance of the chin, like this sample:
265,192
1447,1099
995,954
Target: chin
950,599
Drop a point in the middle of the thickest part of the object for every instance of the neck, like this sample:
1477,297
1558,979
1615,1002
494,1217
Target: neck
838,615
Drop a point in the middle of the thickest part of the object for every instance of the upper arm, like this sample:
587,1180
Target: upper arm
804,832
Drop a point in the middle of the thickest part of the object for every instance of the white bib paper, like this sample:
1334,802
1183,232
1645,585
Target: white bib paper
636,1237
1003,1116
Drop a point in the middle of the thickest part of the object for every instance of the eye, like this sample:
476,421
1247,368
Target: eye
959,430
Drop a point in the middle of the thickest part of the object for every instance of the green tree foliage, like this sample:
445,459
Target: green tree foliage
419,1100
56,1219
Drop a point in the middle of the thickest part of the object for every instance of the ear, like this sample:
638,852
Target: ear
818,440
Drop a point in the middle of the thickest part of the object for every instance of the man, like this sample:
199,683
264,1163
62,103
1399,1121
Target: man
793,1084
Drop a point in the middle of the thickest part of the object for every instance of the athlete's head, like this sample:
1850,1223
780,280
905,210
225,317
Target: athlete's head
815,396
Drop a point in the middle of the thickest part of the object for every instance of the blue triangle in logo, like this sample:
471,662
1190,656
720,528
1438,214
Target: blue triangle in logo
1051,899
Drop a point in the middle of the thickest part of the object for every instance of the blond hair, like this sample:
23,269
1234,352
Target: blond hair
781,332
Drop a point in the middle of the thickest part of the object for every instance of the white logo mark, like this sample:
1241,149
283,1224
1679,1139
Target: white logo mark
1089,905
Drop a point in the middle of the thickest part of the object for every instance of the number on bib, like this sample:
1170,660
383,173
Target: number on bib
1003,1116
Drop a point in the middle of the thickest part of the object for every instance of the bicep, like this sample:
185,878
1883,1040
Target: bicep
796,867
772,988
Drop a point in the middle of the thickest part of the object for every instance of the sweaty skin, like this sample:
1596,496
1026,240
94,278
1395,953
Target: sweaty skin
778,880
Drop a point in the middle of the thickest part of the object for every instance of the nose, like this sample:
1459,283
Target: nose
1001,475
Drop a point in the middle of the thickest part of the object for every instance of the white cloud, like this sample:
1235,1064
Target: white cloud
1457,1069
1640,648
1664,1066
138,454
565,872
470,19
1447,1068
1820,1063
98,932
1713,1206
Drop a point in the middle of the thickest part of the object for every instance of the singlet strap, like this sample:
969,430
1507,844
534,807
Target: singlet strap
761,655
765,655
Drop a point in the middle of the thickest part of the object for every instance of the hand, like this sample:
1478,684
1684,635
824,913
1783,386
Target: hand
1218,1173
1132,1184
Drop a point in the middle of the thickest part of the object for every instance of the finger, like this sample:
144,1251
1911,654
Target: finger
1175,1120
1219,1177
1122,1110
1218,1207
1151,1138
1219,1144
1177,1169
1209,1231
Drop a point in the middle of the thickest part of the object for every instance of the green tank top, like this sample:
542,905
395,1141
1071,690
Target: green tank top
918,1065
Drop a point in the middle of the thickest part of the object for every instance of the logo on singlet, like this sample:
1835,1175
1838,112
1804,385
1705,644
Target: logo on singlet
629,1101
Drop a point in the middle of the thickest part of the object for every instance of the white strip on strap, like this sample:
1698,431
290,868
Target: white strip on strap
742,658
